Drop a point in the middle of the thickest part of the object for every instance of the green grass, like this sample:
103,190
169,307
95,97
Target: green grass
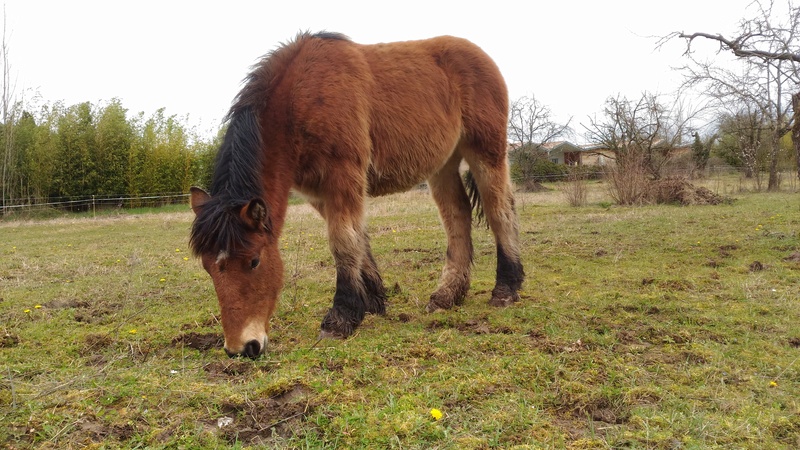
646,327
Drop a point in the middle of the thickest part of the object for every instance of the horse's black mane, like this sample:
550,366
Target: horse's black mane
236,181
238,167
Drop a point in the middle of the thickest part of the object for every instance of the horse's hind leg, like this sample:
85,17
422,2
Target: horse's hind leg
454,208
496,195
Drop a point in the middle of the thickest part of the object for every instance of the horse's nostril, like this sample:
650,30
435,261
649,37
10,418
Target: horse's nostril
252,349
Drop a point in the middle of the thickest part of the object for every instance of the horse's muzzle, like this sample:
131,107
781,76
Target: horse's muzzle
252,349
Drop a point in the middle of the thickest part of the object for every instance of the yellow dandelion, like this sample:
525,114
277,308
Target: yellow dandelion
37,307
185,258
162,280
773,383
27,311
436,414
132,331
119,260
177,250
312,248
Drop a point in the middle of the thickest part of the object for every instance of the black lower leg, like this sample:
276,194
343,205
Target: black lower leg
376,292
510,276
373,284
348,307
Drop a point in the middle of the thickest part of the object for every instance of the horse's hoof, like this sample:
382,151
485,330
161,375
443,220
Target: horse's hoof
440,302
434,308
325,334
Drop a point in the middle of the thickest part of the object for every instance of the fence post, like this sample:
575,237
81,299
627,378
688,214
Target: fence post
94,211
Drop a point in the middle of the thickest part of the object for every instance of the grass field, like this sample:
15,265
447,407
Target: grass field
644,327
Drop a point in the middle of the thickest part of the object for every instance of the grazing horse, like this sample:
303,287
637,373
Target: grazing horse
337,121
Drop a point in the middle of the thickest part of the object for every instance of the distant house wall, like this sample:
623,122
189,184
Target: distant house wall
599,157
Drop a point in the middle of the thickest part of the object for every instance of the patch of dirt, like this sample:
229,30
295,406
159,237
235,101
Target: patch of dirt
542,342
200,341
794,257
756,266
679,190
256,422
725,250
232,369
62,303
482,327
403,317
93,313
9,340
98,431
794,342
93,342
472,326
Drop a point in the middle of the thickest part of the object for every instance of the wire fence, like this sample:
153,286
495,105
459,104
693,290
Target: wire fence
91,203
99,203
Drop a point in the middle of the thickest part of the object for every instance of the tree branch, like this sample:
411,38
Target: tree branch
738,50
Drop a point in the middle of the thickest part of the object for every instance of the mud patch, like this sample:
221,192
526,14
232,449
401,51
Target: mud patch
258,422
8,340
199,341
405,318
232,369
545,344
756,266
94,342
472,326
98,431
482,327
794,257
794,342
95,313
725,250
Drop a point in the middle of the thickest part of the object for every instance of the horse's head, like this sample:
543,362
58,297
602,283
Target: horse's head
238,249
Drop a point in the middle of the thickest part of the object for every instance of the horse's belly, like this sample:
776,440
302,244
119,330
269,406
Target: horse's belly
403,171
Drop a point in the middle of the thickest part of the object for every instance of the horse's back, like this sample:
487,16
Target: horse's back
396,110
428,96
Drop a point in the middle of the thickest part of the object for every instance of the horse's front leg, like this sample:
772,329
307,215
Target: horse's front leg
346,238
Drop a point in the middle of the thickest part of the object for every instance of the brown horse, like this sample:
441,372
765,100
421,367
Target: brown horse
338,121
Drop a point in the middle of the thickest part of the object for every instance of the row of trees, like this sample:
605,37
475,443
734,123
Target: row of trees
84,149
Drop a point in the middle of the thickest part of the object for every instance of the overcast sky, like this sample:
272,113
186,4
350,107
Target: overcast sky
190,56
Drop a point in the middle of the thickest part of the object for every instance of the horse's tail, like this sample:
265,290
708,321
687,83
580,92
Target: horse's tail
474,196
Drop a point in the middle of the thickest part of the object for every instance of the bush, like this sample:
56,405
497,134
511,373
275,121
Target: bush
537,170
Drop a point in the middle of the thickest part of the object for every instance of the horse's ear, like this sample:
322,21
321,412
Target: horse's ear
256,214
198,198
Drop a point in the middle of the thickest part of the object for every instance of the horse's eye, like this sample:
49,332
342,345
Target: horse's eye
254,263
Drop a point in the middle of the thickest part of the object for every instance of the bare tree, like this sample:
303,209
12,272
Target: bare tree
644,131
769,44
531,123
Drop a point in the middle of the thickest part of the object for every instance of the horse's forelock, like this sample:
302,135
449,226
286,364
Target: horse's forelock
217,228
